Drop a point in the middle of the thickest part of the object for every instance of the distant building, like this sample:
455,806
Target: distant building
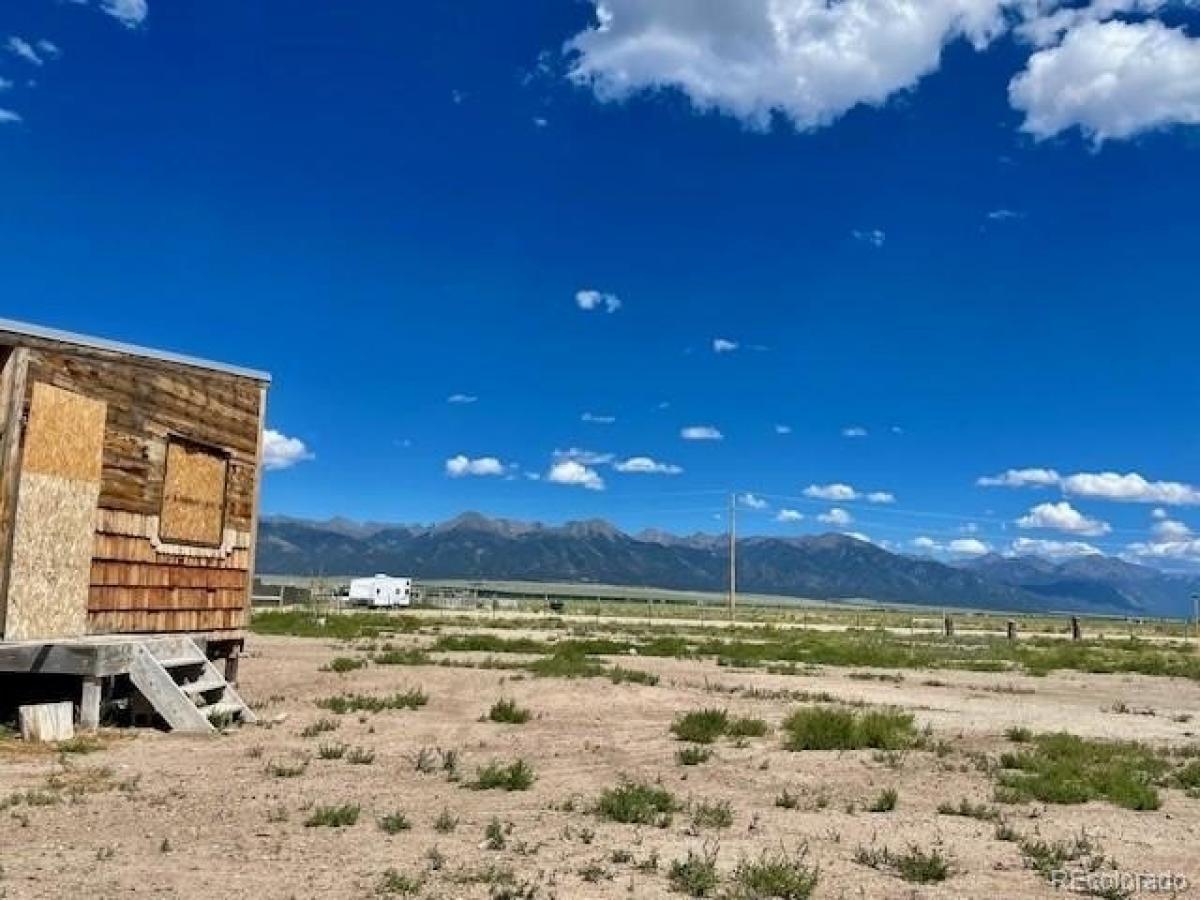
381,590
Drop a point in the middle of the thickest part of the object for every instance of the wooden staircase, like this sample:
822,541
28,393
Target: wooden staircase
180,683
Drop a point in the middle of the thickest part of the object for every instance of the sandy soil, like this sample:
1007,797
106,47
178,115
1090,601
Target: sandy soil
171,816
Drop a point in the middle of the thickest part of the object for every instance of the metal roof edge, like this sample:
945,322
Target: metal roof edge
26,329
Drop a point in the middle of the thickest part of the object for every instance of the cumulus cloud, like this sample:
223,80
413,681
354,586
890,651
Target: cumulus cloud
836,516
570,472
1130,488
783,429
1004,215
844,493
462,398
283,452
645,465
1052,549
968,547
956,547
1063,517
8,117
752,501
701,433
835,491
592,300
597,419
130,13
854,431
461,466
584,457
1171,541
724,345
789,515
809,61
1016,478
1111,80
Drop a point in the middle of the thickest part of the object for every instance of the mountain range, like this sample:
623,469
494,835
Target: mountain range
825,567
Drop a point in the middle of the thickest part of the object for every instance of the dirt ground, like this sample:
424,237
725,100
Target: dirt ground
160,815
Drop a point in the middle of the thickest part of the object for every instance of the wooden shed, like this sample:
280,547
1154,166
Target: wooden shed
129,483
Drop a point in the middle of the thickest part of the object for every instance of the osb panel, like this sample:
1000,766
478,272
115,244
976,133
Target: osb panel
193,507
51,557
65,434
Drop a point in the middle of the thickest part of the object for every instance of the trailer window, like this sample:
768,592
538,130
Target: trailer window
193,501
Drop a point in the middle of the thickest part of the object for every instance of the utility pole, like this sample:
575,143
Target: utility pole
732,555
1196,616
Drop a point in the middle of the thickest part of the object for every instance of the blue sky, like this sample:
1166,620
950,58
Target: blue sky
963,246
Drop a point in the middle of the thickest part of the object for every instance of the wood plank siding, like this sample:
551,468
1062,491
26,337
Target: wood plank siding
139,580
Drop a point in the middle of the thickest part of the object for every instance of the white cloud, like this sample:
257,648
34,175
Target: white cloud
807,60
283,452
1171,530
1130,488
789,515
701,433
854,431
1171,541
1052,549
48,49
130,13
968,547
956,547
596,419
1187,551
1159,513
1004,215
881,497
8,117
584,457
783,429
5,84
462,398
836,516
25,50
540,121
752,501
1016,478
873,236
1064,517
724,345
645,465
570,472
837,492
1111,80
590,300
461,466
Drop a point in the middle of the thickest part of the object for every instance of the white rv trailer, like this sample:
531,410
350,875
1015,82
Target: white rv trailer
381,590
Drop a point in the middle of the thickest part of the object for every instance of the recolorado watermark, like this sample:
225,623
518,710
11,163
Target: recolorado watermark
1111,883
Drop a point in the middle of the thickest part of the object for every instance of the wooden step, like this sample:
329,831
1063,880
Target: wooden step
204,685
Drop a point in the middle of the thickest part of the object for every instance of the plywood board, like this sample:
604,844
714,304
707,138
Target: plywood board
65,435
193,507
55,516
51,558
